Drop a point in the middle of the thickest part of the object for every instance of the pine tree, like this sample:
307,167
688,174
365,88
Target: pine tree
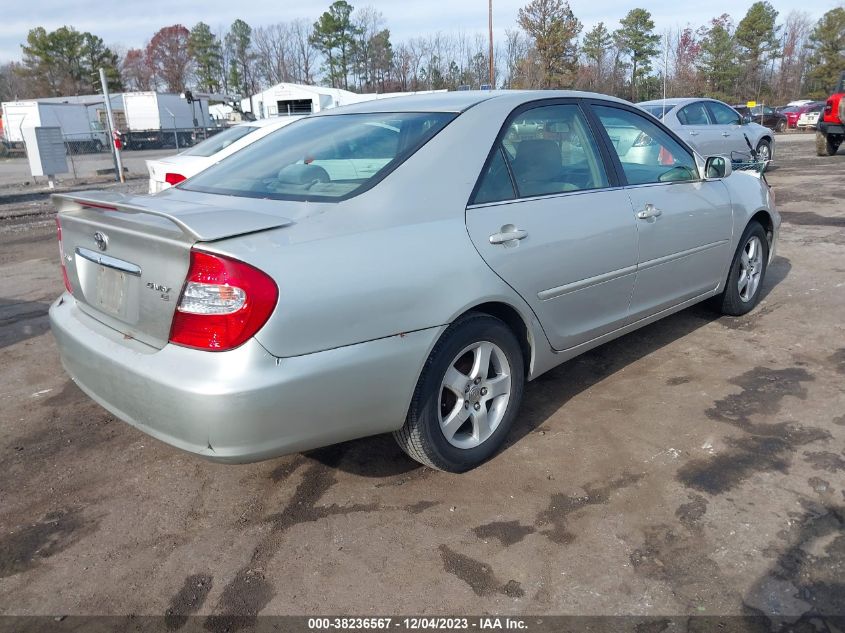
827,62
554,29
334,35
205,48
639,41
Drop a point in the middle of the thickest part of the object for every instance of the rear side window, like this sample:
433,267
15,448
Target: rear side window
545,150
723,115
496,184
322,158
647,153
694,114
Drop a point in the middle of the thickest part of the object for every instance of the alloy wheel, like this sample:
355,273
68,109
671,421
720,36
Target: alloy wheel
474,394
750,269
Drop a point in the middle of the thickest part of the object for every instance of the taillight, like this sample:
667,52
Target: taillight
223,304
66,279
173,179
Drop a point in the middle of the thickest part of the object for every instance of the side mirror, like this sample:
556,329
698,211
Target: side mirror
717,167
746,119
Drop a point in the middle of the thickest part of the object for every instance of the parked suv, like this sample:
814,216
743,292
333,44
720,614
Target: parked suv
764,115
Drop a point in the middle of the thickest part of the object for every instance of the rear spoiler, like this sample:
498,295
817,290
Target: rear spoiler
197,222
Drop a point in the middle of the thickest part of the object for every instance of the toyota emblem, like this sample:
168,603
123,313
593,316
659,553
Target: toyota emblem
101,240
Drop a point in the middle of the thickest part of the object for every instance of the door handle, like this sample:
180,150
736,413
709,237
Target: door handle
650,211
725,134
507,233
693,133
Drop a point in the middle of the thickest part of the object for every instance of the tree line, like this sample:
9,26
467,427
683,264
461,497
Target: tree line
761,57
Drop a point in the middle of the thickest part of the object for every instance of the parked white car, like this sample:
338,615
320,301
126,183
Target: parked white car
166,172
713,128
809,119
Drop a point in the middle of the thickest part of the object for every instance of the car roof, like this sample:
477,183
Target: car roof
676,101
457,101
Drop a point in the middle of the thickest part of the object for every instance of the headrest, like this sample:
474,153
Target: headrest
302,174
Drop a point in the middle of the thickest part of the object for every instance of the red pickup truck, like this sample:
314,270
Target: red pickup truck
831,127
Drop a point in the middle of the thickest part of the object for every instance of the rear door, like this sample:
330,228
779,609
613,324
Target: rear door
548,218
684,223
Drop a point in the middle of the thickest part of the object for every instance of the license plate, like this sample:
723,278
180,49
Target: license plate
111,290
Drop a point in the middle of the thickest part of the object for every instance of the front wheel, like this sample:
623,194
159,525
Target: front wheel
748,269
780,127
467,396
764,151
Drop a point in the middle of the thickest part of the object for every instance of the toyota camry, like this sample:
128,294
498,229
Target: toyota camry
402,265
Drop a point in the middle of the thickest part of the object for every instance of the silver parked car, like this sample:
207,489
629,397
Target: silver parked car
713,128
402,265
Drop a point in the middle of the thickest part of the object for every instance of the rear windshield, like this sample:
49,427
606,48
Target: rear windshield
220,141
657,110
322,158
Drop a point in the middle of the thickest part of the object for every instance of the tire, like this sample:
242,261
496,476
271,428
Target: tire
825,145
764,147
735,301
456,355
780,127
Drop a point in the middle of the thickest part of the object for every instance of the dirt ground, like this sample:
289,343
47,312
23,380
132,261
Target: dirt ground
693,467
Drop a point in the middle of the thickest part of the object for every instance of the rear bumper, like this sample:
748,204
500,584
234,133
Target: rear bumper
831,128
244,405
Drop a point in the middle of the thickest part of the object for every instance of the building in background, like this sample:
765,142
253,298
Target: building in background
286,99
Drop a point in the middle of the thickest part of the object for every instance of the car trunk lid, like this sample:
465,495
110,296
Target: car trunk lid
127,256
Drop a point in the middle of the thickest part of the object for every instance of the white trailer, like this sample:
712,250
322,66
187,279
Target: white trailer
72,118
155,119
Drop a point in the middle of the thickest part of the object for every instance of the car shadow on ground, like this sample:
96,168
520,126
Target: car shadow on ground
21,320
381,457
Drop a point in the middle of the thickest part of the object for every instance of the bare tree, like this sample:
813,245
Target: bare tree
274,53
794,55
305,55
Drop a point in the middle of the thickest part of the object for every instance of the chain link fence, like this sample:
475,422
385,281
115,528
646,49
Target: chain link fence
89,155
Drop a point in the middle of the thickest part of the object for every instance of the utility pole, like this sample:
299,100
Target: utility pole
118,164
490,26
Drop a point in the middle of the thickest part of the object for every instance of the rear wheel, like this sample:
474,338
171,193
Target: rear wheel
780,126
825,145
467,396
748,269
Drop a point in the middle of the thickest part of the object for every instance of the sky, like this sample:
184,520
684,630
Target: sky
131,23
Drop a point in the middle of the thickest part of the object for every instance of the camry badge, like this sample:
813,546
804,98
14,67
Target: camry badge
101,240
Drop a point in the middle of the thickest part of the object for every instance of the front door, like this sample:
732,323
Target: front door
697,130
684,223
546,218
729,124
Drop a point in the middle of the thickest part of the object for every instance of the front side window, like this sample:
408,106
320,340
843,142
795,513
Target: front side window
723,114
322,158
220,141
694,114
549,149
647,153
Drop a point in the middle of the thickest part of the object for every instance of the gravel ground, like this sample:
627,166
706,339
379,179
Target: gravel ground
693,467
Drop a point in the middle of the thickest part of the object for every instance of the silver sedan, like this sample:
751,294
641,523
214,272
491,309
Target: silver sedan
403,265
713,127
